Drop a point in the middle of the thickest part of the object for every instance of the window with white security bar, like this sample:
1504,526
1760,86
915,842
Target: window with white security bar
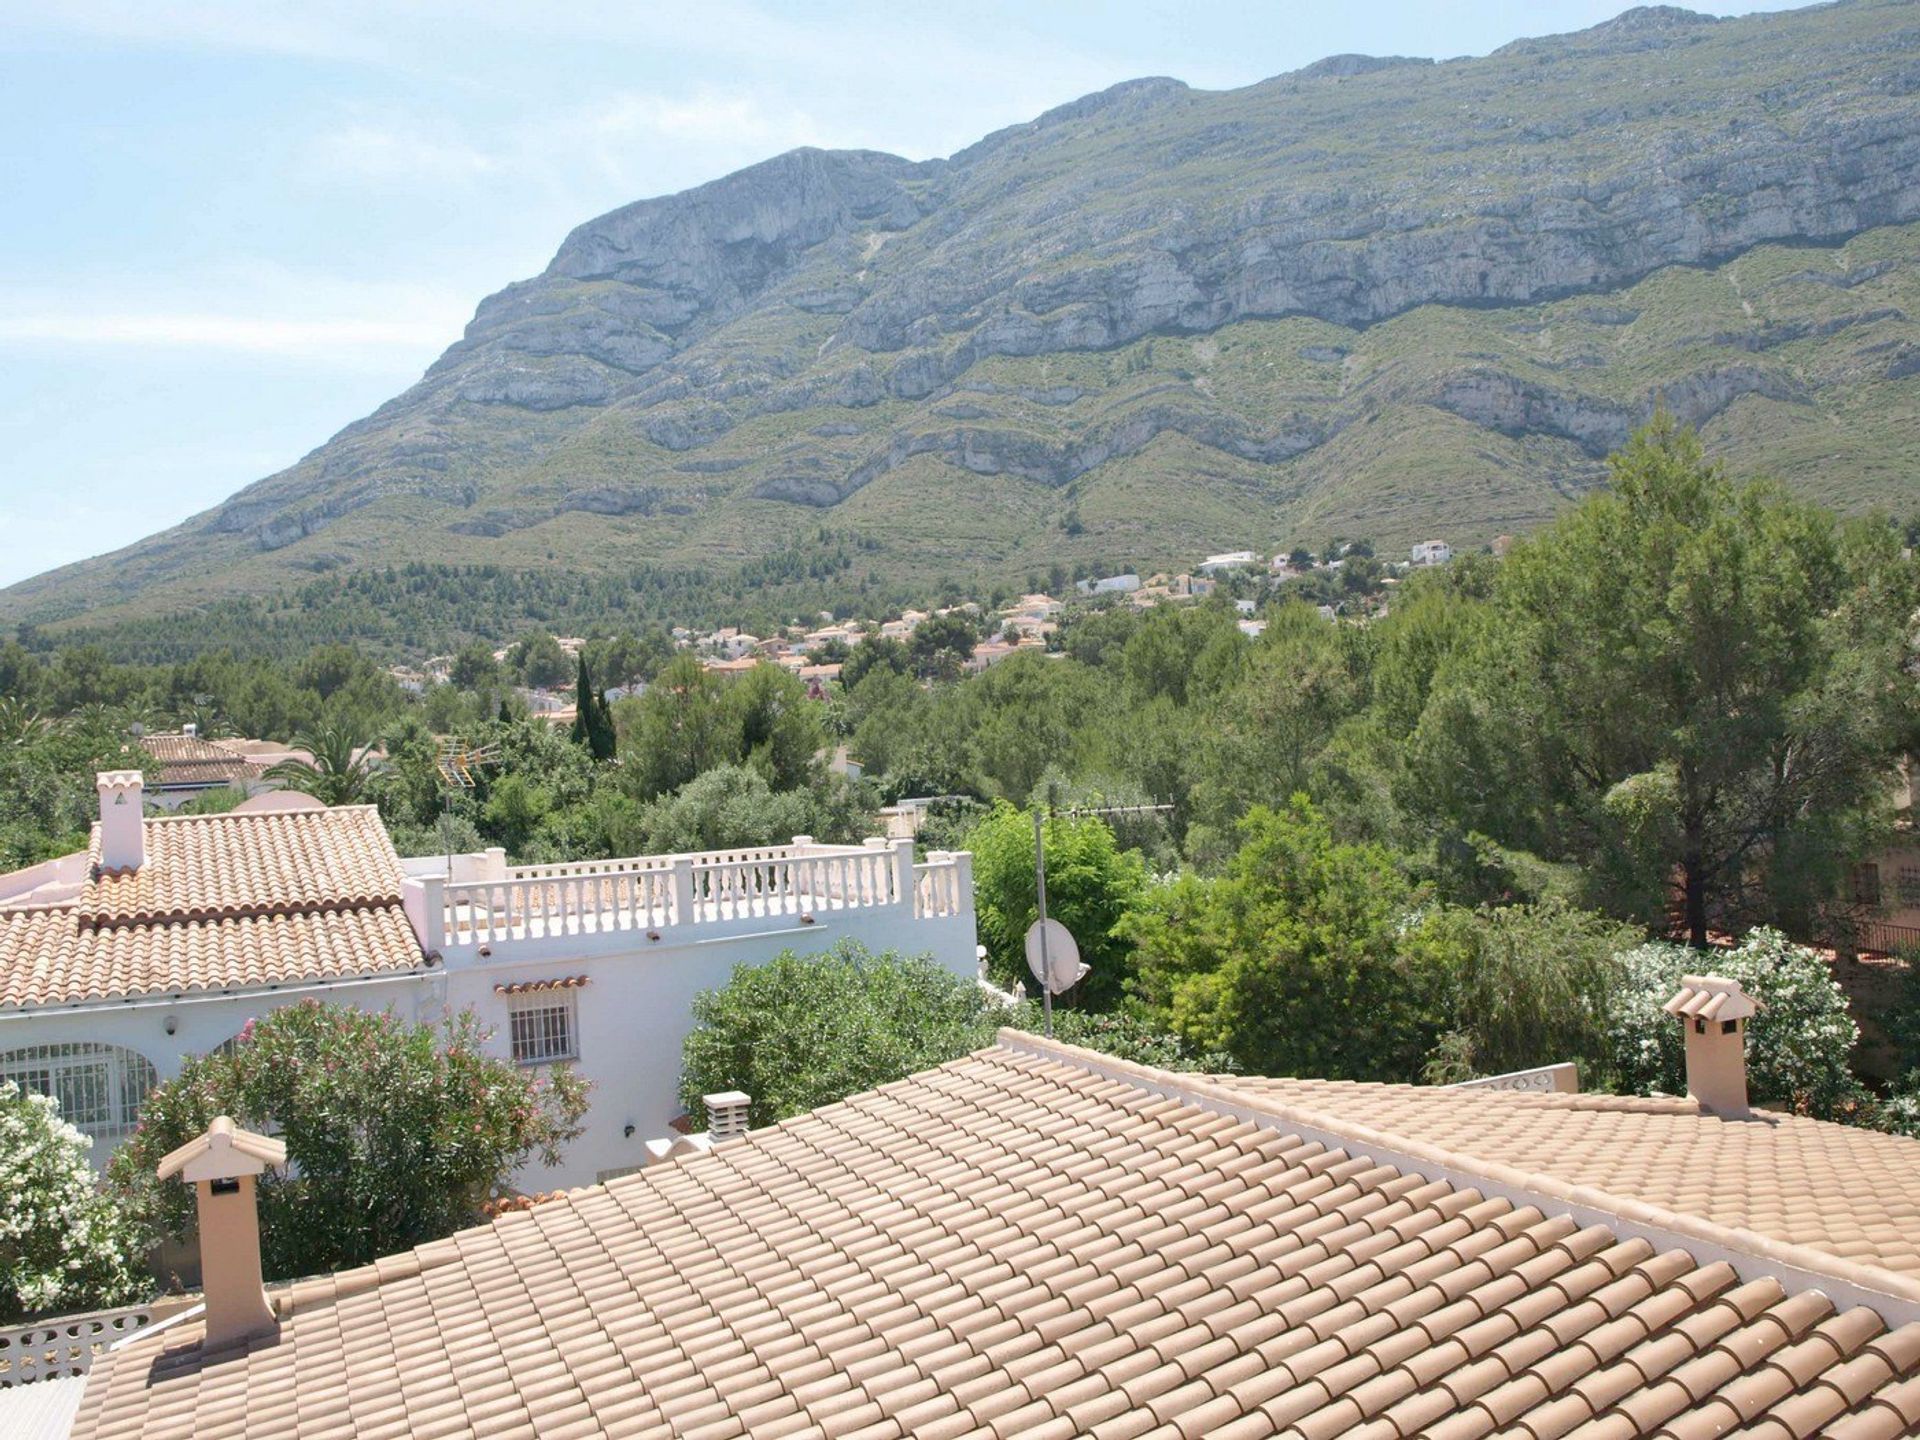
541,1027
99,1088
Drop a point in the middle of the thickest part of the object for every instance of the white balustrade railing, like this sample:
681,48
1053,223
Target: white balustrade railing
569,869
1560,1079
645,894
943,886
65,1344
560,904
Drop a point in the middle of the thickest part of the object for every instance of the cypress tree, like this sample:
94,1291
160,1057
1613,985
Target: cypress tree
605,738
582,704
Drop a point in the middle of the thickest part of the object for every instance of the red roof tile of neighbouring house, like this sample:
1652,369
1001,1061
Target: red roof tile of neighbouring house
1037,1241
187,761
220,902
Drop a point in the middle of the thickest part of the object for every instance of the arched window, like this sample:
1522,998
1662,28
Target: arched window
99,1088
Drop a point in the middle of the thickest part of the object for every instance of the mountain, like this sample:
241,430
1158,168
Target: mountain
1383,297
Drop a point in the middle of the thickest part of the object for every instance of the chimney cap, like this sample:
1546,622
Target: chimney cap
1711,997
225,1152
119,780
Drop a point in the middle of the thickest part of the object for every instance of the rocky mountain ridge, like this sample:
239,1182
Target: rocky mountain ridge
1156,308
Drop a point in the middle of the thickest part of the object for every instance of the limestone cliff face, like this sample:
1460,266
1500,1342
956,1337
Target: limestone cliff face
795,331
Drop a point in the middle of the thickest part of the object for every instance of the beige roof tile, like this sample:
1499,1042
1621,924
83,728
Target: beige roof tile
1772,1175
1020,1244
222,902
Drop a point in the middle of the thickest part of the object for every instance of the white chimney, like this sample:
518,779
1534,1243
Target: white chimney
123,832
191,729
727,1114
221,1166
1715,1010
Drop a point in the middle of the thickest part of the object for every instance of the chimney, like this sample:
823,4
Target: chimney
191,730
123,834
221,1166
1715,1011
727,1114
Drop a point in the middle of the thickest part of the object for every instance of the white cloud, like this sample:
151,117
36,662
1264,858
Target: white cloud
708,117
176,330
275,27
399,151
244,308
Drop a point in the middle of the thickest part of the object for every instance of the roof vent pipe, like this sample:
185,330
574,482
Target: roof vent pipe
1714,1011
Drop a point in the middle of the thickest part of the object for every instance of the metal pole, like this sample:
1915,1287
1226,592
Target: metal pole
1040,889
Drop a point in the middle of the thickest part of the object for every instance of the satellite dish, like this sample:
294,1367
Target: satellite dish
1063,968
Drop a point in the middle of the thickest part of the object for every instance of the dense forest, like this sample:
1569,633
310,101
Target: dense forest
1678,711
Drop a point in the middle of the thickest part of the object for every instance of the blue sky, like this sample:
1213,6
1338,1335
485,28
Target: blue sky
232,228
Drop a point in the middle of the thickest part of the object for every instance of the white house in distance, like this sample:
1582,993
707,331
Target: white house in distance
1432,552
1230,560
173,931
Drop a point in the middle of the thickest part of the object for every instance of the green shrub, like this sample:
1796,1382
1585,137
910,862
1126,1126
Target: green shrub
1798,1045
63,1245
396,1134
803,1031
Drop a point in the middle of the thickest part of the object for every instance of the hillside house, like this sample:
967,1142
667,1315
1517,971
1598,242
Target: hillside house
1230,560
190,766
1038,1240
1432,552
170,932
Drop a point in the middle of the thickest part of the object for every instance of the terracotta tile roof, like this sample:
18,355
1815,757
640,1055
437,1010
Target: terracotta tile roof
47,959
1035,1242
199,866
1774,1175
534,987
187,760
222,902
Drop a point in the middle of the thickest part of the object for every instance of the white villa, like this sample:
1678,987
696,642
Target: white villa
173,931
1228,560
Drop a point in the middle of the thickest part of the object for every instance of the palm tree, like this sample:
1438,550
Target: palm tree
339,772
20,724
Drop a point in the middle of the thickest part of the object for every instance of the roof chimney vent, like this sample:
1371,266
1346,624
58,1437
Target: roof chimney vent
123,833
727,1114
221,1166
1715,1010
191,730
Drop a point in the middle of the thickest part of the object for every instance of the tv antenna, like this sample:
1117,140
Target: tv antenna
459,765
